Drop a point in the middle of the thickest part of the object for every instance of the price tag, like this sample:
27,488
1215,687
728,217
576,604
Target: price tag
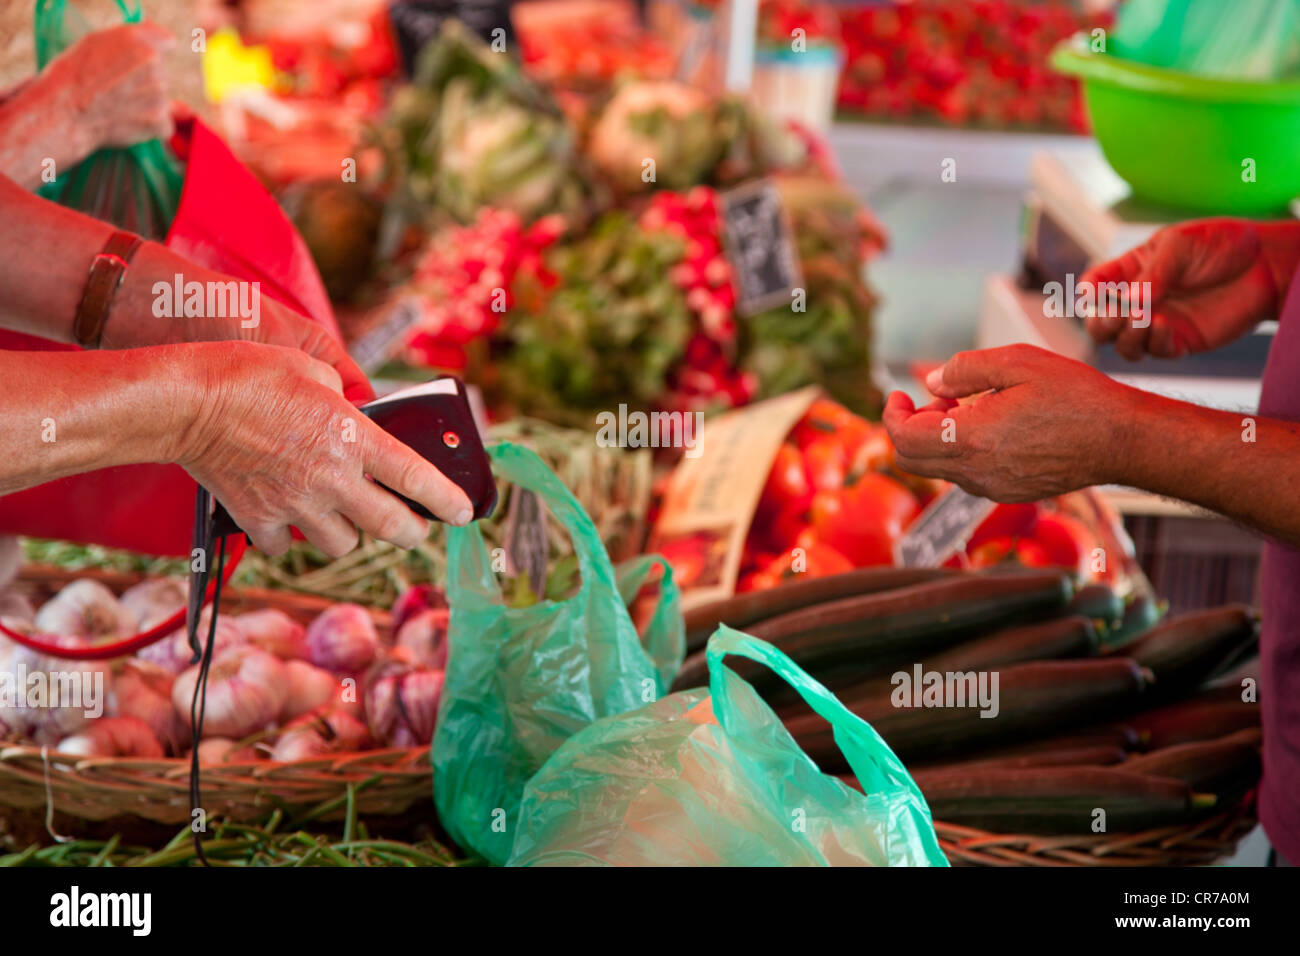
942,529
761,247
377,345
416,22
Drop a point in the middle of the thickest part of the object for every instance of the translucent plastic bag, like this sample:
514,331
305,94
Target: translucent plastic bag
521,681
1243,39
712,777
136,187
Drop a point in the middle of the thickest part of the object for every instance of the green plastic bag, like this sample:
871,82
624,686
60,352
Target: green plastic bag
712,777
1243,39
136,187
521,681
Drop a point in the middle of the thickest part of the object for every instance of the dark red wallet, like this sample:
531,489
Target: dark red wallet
435,420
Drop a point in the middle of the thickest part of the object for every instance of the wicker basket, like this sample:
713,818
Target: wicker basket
32,779
1193,844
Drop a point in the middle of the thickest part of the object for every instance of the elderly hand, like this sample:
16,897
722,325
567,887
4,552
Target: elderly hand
1210,284
112,86
274,440
1039,424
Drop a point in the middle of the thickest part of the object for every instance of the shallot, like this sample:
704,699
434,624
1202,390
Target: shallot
246,689
113,737
402,703
274,631
424,636
342,639
85,608
416,598
330,731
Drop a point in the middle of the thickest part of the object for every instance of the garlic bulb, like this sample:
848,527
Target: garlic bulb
402,703
222,750
173,652
342,639
331,731
424,636
155,600
246,689
85,608
113,737
309,688
275,632
47,698
143,690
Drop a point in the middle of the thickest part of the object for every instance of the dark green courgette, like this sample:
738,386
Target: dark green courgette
1227,766
1099,756
1184,651
1033,699
745,609
1061,800
1141,613
899,625
1199,718
1100,604
1064,637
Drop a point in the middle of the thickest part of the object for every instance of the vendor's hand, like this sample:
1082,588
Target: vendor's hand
1210,284
113,86
1049,426
277,444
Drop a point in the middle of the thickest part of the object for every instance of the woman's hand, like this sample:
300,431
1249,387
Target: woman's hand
113,86
1210,284
276,442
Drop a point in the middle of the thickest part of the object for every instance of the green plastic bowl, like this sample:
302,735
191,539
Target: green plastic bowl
1182,140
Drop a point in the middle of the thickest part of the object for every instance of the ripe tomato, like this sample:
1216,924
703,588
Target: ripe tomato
823,418
866,519
1067,542
827,462
868,448
991,552
817,560
787,483
1032,554
1006,521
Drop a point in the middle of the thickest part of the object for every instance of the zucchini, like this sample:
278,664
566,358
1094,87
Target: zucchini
1141,613
1098,756
1227,766
1060,800
1120,736
1199,718
897,626
1063,637
1184,651
1033,698
1099,603
745,609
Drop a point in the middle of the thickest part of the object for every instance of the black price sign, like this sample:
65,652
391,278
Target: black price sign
942,529
416,22
760,246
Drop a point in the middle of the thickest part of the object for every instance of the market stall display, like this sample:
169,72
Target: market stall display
713,619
